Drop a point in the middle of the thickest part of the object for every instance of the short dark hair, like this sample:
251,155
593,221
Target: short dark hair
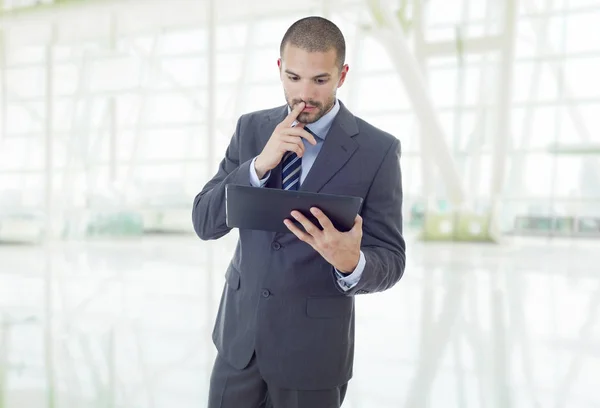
316,34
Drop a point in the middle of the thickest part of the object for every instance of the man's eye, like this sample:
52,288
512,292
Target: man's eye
321,81
292,78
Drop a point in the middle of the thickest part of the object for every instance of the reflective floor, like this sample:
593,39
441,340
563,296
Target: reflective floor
126,323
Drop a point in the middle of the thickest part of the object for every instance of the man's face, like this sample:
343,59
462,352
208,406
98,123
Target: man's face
312,78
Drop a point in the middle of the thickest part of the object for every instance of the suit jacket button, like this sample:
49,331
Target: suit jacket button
266,293
276,246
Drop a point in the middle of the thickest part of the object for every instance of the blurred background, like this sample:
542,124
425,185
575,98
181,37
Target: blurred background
113,115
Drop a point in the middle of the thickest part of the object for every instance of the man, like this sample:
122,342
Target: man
285,326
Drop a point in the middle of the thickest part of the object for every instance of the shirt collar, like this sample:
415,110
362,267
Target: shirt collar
321,127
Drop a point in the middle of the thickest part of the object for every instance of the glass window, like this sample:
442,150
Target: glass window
582,77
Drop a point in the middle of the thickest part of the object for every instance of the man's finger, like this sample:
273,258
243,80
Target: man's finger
293,139
358,222
309,227
298,131
323,219
293,147
287,122
302,236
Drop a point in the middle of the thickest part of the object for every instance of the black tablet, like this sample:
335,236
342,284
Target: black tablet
262,208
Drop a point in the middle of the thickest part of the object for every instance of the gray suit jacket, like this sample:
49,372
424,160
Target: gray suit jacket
281,297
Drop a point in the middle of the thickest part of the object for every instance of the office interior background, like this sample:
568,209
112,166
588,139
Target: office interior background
113,115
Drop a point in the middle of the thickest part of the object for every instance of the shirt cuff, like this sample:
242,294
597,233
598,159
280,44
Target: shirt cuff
347,282
254,177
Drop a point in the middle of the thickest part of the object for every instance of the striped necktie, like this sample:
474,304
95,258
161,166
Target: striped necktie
292,169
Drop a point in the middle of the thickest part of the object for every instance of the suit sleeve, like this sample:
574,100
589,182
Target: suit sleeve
208,213
382,243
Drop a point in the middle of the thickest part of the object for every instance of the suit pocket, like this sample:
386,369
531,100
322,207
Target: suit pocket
329,307
232,276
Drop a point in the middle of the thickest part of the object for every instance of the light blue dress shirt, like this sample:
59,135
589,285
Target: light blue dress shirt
320,129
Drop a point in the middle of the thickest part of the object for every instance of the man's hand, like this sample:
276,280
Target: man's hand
285,138
340,249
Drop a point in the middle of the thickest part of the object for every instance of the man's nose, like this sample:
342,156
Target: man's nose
306,91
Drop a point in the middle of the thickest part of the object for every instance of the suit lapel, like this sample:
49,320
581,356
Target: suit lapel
337,149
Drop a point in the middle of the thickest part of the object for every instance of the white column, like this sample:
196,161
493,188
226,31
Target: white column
427,176
212,79
500,142
211,127
3,84
49,166
112,108
48,139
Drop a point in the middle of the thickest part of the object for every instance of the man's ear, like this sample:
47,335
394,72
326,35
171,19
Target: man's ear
343,74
